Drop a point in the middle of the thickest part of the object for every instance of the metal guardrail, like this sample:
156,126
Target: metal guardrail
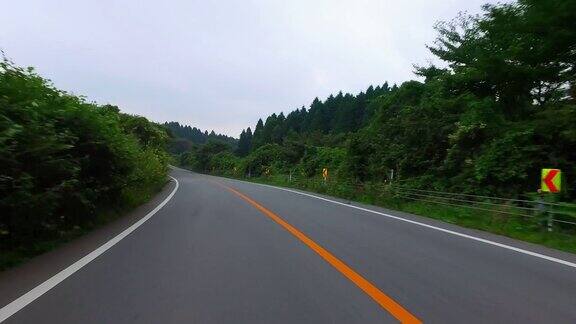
538,210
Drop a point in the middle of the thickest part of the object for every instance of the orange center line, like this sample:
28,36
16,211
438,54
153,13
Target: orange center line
378,296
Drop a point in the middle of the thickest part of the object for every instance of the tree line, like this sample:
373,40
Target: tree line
499,107
338,114
184,137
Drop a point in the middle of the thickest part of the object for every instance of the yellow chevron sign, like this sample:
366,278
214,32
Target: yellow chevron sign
551,180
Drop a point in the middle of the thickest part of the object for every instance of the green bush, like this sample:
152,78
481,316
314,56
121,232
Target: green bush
62,159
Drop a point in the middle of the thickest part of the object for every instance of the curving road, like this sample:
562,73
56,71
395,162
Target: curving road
225,251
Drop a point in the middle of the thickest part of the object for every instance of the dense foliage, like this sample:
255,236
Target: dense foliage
499,108
64,160
185,138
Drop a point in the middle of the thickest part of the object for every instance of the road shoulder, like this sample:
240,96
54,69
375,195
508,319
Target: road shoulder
17,281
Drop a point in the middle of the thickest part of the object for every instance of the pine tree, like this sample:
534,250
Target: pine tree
244,143
258,137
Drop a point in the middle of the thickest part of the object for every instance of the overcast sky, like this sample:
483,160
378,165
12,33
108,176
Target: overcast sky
221,64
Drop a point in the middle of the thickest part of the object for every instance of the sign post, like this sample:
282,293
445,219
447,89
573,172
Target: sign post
325,174
550,181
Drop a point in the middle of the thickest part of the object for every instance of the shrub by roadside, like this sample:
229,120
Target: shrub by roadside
67,164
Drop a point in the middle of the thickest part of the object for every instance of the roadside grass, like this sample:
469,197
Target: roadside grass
132,198
510,226
520,228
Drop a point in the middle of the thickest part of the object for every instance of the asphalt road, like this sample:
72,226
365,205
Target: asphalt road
225,251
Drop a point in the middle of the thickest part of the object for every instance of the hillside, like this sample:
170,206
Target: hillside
184,137
485,121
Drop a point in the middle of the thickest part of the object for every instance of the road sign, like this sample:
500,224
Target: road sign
325,174
551,180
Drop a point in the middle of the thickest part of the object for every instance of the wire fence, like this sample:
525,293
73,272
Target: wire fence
545,213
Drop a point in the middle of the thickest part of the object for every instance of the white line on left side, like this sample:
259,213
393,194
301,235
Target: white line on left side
30,296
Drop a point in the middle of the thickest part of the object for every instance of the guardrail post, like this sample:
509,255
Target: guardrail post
544,209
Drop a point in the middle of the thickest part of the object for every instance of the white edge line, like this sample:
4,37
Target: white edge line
30,296
478,239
